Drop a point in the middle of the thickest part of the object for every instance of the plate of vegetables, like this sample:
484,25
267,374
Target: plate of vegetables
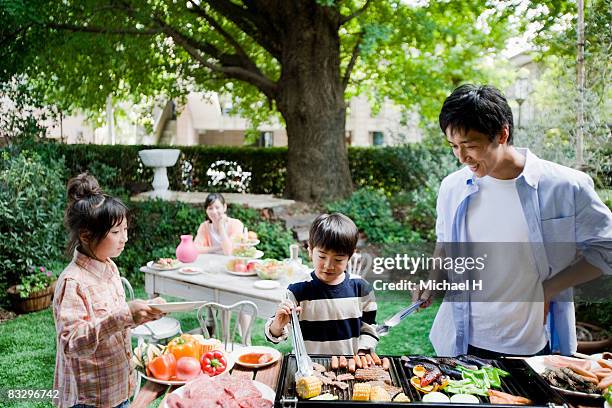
183,359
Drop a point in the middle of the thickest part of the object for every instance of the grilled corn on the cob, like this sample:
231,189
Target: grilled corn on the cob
361,392
308,387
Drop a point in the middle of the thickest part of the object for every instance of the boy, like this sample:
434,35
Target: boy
336,310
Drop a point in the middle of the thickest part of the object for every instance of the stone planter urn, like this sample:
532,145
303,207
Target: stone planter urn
160,160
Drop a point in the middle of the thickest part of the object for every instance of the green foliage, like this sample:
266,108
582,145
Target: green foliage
36,279
32,201
371,212
417,208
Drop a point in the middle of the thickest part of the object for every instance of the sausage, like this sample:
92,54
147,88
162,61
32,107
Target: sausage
584,373
334,363
604,363
342,363
376,359
358,361
364,361
351,365
602,373
386,364
605,383
369,360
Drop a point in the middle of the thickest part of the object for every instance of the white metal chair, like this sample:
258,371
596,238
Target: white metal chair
218,318
356,265
156,331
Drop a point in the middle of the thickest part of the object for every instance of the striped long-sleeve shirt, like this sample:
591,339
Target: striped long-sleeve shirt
335,319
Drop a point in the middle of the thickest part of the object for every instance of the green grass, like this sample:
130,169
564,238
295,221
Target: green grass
27,343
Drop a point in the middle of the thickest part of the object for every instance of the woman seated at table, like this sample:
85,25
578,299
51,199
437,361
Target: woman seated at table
216,233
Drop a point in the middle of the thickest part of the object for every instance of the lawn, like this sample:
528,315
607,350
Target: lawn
27,343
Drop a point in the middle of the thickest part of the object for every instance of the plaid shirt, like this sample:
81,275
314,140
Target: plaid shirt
92,320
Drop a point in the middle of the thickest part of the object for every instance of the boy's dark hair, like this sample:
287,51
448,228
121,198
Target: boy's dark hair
335,232
480,108
211,198
90,211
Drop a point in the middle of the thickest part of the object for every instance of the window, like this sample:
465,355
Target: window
266,139
378,138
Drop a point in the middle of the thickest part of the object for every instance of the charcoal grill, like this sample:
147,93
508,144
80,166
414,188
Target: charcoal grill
522,381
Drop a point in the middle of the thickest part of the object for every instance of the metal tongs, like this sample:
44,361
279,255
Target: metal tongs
397,318
304,363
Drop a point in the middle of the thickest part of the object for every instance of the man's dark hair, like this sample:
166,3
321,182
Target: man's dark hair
480,108
334,232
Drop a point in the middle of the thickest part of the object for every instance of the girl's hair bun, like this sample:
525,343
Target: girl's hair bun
83,187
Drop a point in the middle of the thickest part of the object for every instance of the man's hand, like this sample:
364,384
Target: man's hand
426,296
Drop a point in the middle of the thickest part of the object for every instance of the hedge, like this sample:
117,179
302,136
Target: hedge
391,169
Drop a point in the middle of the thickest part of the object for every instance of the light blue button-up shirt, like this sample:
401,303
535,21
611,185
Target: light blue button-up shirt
560,205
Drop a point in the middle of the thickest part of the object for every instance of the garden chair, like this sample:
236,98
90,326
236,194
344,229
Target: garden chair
356,265
218,319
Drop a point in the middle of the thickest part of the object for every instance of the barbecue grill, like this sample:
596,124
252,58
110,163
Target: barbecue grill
523,381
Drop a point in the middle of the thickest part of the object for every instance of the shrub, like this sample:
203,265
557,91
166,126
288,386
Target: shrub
32,201
371,212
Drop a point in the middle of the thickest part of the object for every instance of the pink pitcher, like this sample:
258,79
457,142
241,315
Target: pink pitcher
186,252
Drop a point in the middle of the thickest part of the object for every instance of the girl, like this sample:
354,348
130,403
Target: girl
92,318
216,233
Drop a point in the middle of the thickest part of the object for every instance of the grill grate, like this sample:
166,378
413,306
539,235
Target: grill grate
522,381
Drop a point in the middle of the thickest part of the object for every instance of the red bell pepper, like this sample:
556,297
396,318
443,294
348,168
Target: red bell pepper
213,362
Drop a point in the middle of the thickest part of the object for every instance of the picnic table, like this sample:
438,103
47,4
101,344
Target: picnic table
215,284
267,375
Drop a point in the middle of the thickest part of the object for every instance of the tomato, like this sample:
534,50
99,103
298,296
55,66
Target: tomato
184,346
213,362
187,368
163,367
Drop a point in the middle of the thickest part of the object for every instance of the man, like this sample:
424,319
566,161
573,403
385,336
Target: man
508,195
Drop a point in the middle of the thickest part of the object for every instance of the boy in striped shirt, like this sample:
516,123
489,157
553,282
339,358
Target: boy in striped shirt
336,310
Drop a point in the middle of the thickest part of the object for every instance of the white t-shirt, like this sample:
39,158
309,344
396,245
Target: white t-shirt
515,326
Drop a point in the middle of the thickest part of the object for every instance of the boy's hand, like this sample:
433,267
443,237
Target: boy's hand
282,317
425,295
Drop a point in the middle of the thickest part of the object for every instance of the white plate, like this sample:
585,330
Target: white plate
152,265
250,243
256,349
258,254
177,306
247,273
191,270
230,364
266,392
539,365
266,284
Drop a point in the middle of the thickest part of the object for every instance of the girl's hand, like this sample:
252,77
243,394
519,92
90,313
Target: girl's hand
142,312
282,317
222,225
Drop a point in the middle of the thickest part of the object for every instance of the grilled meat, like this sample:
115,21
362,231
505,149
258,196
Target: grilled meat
345,377
372,374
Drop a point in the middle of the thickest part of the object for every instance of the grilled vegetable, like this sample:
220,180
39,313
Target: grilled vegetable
416,383
308,387
401,397
361,391
378,393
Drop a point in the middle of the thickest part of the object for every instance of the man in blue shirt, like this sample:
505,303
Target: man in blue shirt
506,194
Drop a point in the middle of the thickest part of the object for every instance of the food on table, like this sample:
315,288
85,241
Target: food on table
567,379
256,358
324,379
401,397
224,390
378,393
187,368
416,383
340,384
318,367
207,344
361,391
330,374
213,362
269,269
435,397
165,263
498,397
245,252
465,387
144,353
391,389
308,387
608,395
184,346
163,367
241,266
464,399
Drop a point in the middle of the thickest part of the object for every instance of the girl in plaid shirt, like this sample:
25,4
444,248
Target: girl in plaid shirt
92,318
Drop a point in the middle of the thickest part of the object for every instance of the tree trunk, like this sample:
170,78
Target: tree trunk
311,100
